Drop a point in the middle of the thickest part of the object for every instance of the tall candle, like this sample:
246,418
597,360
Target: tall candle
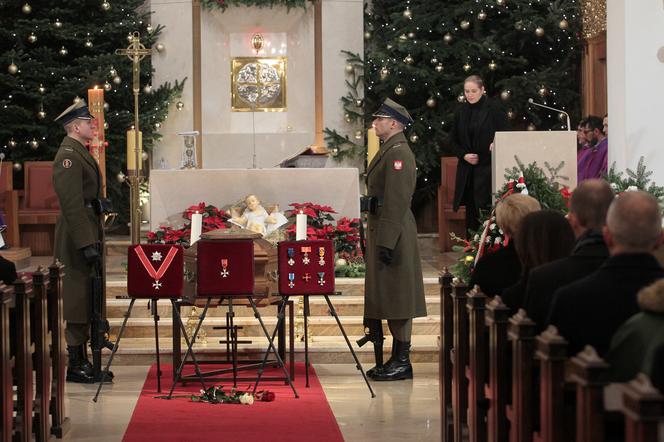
131,153
300,227
98,142
196,227
373,144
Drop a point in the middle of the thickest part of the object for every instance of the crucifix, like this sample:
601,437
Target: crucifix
136,52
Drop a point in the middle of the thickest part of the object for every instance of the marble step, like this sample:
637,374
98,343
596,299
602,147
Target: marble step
322,349
318,326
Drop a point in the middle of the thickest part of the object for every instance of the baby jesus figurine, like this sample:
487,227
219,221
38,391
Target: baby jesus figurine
256,218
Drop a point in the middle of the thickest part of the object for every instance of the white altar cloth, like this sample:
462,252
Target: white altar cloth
173,191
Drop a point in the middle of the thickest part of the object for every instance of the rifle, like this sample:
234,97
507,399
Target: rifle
373,331
99,326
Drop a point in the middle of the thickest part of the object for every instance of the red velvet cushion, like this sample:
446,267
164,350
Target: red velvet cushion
306,278
239,258
141,285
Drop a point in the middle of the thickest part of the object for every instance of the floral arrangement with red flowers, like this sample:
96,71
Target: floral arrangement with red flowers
213,219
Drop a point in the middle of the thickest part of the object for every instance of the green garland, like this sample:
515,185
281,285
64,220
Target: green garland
224,4
635,180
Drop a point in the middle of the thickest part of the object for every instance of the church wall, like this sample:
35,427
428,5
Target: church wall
635,71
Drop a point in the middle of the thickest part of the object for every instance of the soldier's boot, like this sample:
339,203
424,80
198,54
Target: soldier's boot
372,371
398,368
87,365
75,370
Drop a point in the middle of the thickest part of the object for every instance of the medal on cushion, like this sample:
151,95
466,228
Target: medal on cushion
291,278
291,254
321,253
321,278
156,275
306,277
305,251
224,268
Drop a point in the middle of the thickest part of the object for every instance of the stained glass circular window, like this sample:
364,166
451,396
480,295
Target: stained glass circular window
258,84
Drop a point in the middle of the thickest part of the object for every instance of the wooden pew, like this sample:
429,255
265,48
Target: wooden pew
444,361
23,361
476,368
56,324
520,412
6,383
9,204
42,358
497,390
643,407
586,370
449,220
459,360
38,208
551,352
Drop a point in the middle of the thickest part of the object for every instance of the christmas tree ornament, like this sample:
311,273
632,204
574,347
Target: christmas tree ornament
12,143
400,90
106,106
359,102
408,59
32,38
562,116
439,68
531,127
367,35
519,26
27,9
389,46
510,114
358,135
41,114
88,44
384,73
257,42
157,125
144,156
160,47
147,88
12,68
107,86
500,2
57,24
120,177
434,61
414,138
543,91
465,24
105,6
179,105
408,13
447,38
347,118
63,51
149,28
349,68
461,98
403,37
77,99
539,31
112,72
563,24
411,35
117,79
34,144
481,15
493,65
466,67
106,126
18,167
41,88
505,95
431,102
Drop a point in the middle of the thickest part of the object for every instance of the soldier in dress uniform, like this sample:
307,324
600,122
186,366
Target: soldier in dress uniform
77,182
393,286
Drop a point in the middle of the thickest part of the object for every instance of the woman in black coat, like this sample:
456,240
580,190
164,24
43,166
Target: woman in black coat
475,125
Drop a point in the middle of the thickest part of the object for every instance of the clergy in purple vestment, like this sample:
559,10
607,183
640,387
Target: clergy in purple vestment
592,161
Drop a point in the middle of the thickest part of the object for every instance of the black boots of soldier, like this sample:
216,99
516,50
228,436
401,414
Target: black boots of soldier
79,368
398,367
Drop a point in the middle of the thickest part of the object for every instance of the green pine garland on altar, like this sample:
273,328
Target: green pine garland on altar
635,180
224,4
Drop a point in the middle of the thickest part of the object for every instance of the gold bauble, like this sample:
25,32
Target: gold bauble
160,47
431,102
505,95
41,114
34,144
403,37
466,67
461,98
112,72
12,69
105,6
367,35
500,2
347,118
18,167
539,31
359,102
149,28
434,61
106,126
349,68
563,24
384,73
27,9
147,88
493,65
32,38
57,23
400,90
511,114
257,42
447,38
41,88
414,138
107,86
482,15
120,177
106,106
117,79
144,156
157,125
408,59
63,51
408,13
531,127
88,44
12,143
543,91
358,135
439,67
562,116
465,24
179,105
411,35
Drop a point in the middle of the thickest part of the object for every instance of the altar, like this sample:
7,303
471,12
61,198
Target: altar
173,191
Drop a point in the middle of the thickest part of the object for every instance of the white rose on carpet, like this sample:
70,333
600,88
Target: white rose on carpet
246,399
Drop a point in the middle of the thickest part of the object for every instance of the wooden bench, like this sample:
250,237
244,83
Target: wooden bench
9,204
38,208
449,221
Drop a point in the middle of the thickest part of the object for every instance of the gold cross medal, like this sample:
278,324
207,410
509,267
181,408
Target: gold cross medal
224,268
321,253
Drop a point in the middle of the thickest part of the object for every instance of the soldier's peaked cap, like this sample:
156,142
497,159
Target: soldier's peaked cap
392,109
76,110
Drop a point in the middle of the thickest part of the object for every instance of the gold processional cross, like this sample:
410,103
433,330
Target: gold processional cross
136,52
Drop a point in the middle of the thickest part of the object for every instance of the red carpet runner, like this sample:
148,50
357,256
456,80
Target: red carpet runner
308,418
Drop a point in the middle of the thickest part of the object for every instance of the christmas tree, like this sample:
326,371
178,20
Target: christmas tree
51,53
419,52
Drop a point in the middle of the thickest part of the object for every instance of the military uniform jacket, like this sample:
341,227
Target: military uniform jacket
76,179
393,291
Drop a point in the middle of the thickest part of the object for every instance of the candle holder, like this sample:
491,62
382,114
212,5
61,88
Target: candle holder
189,160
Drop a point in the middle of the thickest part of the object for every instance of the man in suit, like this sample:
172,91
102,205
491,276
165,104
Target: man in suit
393,286
587,216
77,182
590,310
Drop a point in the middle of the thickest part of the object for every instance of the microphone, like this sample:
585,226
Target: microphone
569,124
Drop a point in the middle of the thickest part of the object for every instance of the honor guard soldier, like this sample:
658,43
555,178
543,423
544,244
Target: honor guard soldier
393,284
78,232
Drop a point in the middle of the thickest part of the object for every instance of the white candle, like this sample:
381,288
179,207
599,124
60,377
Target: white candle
196,227
301,227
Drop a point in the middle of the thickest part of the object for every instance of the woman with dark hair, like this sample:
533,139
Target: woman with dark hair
543,236
475,125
